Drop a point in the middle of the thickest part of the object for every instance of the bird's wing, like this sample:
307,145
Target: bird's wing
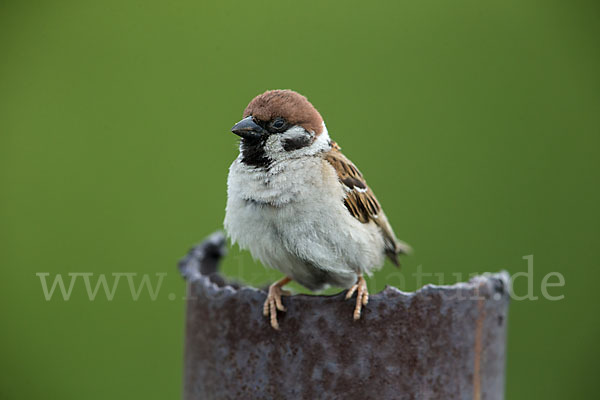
362,203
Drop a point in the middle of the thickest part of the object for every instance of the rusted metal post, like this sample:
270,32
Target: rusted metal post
440,342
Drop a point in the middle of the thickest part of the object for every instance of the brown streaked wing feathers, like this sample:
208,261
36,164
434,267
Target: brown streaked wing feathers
362,204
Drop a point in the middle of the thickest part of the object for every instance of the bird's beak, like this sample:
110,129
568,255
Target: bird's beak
248,129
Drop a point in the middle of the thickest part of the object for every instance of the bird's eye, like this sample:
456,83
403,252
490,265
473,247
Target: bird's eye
278,123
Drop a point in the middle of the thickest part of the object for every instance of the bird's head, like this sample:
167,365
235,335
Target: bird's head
277,125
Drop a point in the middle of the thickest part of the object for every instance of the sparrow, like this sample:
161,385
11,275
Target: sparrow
300,206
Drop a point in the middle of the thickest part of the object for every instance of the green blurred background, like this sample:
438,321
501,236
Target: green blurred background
476,123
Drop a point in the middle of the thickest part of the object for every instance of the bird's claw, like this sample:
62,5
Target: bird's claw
273,303
362,296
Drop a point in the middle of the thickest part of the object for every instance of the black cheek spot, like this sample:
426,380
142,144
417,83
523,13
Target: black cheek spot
296,143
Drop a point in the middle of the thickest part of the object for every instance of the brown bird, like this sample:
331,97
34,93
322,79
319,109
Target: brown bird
300,206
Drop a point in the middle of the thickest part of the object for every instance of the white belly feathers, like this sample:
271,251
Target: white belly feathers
292,218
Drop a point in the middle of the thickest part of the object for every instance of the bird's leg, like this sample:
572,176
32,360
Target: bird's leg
362,295
273,302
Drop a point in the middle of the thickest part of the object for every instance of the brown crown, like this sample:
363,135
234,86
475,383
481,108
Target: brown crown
295,108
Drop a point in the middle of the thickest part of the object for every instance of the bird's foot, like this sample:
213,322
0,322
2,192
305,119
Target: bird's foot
273,301
362,296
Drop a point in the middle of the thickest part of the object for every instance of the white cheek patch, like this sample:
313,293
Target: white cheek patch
296,132
273,147
296,142
279,146
296,138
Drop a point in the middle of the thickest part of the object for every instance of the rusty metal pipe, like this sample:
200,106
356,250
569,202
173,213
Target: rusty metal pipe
440,342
